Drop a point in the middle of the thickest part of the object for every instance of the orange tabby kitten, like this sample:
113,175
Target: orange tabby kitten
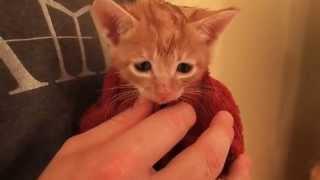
161,49
162,52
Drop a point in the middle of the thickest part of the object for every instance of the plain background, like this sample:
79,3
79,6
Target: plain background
270,59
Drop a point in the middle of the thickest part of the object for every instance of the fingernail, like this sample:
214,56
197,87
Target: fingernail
225,116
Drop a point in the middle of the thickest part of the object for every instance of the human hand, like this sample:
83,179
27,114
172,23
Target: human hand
315,172
127,146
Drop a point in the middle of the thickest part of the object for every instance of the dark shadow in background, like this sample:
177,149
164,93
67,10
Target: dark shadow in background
304,145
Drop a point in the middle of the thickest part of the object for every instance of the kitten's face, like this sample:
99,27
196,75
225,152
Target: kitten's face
159,49
161,71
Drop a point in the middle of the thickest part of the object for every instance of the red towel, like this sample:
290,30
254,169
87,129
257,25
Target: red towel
215,97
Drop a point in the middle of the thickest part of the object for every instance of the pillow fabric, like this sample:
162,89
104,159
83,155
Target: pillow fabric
51,69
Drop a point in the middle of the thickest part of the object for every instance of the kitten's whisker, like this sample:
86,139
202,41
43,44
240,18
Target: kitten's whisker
122,86
120,96
129,100
115,99
203,87
195,92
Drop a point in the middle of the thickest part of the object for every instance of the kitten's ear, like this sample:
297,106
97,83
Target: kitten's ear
112,20
210,25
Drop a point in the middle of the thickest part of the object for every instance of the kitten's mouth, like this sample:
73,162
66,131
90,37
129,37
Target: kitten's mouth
163,99
164,103
167,101
162,106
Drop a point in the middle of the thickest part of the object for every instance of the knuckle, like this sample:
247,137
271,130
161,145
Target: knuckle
111,172
213,160
71,141
69,146
213,148
214,163
208,173
117,167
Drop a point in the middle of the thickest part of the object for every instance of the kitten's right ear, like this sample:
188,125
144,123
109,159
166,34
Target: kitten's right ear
112,20
210,24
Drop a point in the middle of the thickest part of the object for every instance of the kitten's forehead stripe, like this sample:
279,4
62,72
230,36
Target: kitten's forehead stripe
165,23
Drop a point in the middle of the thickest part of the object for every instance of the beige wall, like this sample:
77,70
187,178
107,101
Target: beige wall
304,143
263,60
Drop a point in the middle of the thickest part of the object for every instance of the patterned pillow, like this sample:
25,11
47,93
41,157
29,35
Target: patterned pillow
51,69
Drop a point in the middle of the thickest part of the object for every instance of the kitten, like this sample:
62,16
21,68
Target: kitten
160,49
162,52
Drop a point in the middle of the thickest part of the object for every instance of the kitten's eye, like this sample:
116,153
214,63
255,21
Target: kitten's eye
184,68
144,66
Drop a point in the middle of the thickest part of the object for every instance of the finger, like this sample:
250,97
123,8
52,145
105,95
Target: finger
315,173
205,159
118,124
240,169
151,139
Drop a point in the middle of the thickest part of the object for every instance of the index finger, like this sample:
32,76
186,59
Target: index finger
150,140
115,126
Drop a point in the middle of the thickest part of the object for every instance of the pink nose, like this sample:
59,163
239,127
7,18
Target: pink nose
162,90
163,97
164,93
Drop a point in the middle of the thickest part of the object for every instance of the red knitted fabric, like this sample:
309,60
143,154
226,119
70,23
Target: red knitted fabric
215,97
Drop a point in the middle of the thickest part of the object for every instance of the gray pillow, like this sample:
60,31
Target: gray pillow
51,69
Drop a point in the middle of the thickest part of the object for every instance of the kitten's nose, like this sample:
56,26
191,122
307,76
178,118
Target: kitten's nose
164,94
163,99
164,90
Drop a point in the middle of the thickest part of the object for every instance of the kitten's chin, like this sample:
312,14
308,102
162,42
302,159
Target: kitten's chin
160,102
165,100
162,99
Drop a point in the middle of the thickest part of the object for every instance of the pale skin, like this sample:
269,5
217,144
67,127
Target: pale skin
126,147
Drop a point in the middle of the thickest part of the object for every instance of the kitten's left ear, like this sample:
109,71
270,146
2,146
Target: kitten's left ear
211,26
